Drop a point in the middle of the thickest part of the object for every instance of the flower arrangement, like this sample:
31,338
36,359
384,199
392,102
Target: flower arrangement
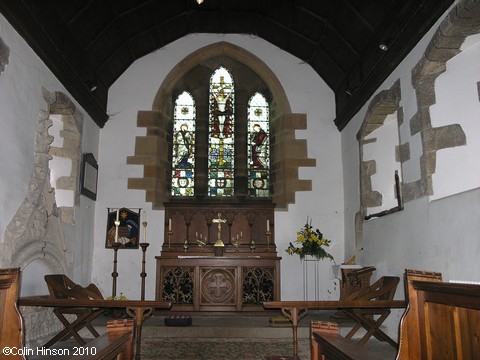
311,243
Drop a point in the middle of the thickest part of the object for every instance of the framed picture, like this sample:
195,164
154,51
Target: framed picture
128,232
88,176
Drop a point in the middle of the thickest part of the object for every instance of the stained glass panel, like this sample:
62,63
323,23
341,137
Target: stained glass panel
183,154
259,146
221,150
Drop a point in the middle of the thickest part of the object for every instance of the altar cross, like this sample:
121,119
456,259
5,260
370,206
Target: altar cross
219,221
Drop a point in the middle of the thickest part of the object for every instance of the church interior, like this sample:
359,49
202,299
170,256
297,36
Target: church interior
209,156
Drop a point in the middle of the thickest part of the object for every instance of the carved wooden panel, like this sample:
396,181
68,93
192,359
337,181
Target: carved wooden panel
218,286
237,226
210,283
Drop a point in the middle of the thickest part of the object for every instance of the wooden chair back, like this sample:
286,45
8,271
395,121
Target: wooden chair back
382,289
60,286
11,324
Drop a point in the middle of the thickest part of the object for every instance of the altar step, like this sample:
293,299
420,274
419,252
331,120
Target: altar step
232,325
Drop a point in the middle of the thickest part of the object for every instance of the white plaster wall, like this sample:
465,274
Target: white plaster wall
382,150
134,91
21,101
440,235
458,102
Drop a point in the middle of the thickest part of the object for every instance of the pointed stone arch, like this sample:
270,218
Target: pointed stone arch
288,153
462,21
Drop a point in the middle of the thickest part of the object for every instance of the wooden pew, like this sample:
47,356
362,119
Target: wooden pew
296,310
442,322
116,343
328,344
11,326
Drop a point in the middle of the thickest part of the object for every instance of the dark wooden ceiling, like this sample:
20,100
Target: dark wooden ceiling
92,42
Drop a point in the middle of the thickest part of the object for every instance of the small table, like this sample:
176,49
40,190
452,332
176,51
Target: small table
137,309
296,310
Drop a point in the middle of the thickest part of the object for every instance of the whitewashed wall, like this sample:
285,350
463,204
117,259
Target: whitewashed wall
135,90
21,102
437,233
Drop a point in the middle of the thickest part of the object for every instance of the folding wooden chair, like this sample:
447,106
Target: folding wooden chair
383,289
61,287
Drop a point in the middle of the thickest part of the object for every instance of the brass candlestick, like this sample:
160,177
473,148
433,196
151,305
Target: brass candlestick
235,243
200,242
169,236
268,235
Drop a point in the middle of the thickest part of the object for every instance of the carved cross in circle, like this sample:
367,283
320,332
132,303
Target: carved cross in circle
217,285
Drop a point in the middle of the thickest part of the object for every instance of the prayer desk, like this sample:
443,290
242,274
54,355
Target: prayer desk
296,310
137,309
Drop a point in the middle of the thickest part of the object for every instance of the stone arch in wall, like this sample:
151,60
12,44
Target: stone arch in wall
384,104
152,150
462,21
35,231
35,234
67,147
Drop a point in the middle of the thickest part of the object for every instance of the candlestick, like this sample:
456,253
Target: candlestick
144,223
268,235
115,246
170,224
169,235
268,225
117,224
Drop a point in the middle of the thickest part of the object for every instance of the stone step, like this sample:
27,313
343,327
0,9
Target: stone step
232,325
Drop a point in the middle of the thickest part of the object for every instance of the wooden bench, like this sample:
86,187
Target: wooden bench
11,327
327,343
116,343
442,321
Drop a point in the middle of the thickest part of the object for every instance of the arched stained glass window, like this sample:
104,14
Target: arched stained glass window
258,113
221,140
221,134
183,153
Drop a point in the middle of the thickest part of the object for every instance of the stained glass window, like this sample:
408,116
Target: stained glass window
214,141
258,146
221,134
183,153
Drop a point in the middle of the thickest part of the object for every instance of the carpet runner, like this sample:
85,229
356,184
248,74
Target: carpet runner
222,349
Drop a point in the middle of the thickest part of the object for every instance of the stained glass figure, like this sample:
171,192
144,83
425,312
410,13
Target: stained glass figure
259,146
183,154
221,134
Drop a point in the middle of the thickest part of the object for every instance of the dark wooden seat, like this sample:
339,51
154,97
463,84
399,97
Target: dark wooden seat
61,287
372,319
328,344
116,343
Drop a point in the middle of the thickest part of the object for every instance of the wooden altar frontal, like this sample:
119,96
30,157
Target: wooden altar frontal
218,258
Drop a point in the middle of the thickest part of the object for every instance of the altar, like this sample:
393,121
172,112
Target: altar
218,258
